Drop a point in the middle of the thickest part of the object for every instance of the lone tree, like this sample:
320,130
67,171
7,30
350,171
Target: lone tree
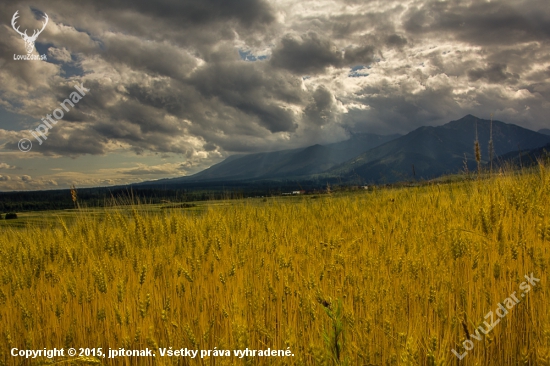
11,215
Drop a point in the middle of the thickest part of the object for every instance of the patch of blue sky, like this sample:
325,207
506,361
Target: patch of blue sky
68,69
15,122
248,56
97,40
38,14
358,71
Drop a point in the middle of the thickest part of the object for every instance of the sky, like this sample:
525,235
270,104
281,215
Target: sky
174,86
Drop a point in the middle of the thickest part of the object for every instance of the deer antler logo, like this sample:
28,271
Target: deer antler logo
29,41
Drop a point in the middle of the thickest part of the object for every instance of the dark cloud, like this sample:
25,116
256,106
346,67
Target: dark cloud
392,108
371,24
147,170
166,77
485,23
196,12
151,57
320,110
344,25
209,147
495,73
359,55
70,143
395,40
199,24
162,95
310,54
252,90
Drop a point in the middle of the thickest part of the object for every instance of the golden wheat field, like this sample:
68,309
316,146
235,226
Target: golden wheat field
385,277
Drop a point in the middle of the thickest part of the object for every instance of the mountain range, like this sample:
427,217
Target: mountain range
424,153
428,152
299,162
523,158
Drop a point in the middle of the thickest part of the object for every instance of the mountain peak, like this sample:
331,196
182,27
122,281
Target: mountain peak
434,151
470,121
467,118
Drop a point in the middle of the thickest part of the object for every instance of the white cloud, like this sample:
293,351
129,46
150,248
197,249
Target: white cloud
165,83
60,54
6,166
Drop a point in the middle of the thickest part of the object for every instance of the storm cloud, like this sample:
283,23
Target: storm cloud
193,81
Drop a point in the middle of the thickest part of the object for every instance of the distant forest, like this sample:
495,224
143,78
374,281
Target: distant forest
21,201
